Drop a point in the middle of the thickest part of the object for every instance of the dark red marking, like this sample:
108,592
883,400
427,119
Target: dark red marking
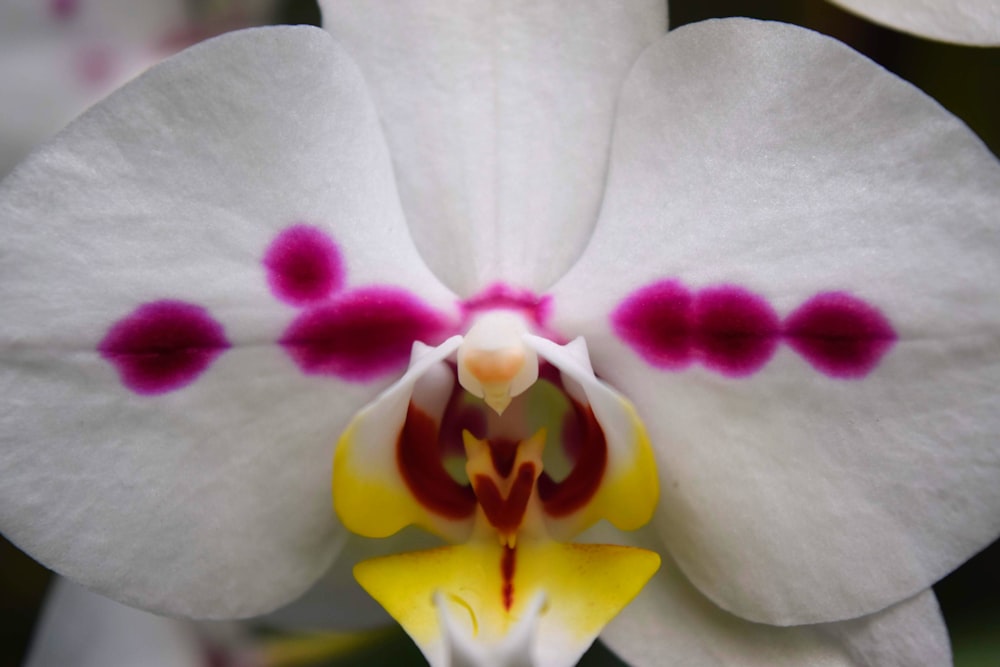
506,514
362,334
418,457
498,296
565,497
303,265
839,334
64,10
735,331
508,563
163,346
502,454
656,321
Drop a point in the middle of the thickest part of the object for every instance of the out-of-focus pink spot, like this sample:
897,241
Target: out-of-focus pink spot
839,334
163,346
362,334
657,322
64,10
735,331
303,265
95,66
536,309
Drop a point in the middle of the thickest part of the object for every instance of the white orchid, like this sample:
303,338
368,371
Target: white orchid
973,22
751,288
57,57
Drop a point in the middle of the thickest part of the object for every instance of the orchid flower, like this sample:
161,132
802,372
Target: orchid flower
57,57
501,272
972,22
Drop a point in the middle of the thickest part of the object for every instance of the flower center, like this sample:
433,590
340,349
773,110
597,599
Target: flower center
506,444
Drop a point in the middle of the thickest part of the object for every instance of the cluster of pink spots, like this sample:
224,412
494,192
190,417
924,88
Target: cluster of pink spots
736,332
353,334
356,334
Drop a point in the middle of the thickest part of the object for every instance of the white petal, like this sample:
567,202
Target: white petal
210,498
772,158
975,22
84,629
909,634
670,622
498,117
337,602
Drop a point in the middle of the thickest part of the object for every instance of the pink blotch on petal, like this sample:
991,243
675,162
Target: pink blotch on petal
362,334
498,296
96,66
839,334
64,9
303,265
736,332
656,322
163,346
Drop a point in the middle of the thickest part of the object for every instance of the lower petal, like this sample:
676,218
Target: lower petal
670,622
488,591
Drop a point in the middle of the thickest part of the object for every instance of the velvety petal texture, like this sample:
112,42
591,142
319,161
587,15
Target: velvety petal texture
168,414
794,280
974,22
498,116
672,623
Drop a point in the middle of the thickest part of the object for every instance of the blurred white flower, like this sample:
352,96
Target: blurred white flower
58,57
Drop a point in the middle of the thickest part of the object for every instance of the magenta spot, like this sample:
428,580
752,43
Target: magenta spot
64,10
363,334
535,309
163,346
303,265
656,322
839,334
736,332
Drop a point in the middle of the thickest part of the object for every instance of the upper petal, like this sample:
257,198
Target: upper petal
811,247
498,117
158,445
975,22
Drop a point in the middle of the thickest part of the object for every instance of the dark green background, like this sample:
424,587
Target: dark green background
966,80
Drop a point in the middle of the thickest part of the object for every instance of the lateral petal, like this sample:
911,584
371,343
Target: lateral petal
810,198
158,445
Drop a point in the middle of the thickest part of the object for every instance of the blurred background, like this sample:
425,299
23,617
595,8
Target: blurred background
965,80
